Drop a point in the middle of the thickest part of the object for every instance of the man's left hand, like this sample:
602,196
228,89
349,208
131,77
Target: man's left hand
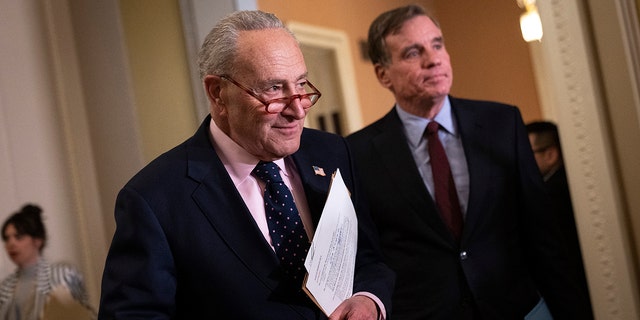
356,308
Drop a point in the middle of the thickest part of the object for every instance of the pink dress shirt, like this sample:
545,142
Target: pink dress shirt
239,163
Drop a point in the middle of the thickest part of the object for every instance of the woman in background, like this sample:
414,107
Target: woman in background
25,293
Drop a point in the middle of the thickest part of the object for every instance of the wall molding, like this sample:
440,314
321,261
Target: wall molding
336,41
580,105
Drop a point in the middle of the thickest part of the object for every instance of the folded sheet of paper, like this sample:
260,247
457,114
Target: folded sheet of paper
330,262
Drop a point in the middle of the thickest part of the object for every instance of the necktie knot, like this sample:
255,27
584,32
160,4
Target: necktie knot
432,127
269,172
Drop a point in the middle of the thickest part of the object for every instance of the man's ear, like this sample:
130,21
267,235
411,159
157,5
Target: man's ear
211,85
381,74
552,155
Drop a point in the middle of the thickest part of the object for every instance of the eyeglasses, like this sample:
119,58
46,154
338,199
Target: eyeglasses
277,105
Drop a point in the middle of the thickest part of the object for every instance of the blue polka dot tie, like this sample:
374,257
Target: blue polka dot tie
285,227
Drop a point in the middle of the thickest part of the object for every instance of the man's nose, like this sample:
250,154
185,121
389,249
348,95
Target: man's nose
430,59
296,107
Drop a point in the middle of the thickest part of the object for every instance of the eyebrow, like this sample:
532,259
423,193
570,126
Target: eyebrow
279,81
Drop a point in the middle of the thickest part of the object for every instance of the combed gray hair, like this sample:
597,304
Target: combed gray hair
219,47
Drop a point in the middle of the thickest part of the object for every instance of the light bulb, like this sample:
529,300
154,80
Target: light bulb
531,25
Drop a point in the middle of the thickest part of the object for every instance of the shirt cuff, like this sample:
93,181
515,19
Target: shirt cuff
382,312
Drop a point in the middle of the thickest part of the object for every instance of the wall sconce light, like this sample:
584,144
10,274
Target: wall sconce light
530,23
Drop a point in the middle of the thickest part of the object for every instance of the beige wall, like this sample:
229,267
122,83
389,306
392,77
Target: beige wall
490,59
158,61
69,137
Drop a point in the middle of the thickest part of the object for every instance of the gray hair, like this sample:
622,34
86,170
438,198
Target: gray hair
219,47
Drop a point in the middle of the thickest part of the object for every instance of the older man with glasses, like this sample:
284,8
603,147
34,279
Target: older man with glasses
219,227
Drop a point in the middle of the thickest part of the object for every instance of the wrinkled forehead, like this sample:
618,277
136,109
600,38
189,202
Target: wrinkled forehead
269,53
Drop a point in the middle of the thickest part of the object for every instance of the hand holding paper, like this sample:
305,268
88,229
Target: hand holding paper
330,262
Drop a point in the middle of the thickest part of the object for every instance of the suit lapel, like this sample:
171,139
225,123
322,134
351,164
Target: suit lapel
316,187
402,171
224,208
474,135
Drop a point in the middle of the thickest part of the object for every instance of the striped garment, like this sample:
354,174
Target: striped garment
49,277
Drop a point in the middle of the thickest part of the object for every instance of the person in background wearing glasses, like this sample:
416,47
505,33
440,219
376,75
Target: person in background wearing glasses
545,143
192,238
491,250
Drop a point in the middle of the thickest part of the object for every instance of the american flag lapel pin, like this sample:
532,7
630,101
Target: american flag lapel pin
318,171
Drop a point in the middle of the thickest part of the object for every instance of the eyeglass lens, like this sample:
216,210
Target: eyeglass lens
307,99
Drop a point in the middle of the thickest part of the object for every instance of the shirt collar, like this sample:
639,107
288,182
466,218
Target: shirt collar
238,162
415,126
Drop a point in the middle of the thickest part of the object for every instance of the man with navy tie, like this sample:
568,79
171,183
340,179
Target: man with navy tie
199,230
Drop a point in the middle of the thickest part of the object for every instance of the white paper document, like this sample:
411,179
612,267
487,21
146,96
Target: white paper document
331,260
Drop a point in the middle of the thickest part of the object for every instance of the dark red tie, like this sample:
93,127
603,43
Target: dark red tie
445,189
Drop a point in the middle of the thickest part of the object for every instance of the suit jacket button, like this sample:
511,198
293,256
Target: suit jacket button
463,255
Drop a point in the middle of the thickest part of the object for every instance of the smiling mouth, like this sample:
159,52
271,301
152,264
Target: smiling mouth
287,129
435,77
286,126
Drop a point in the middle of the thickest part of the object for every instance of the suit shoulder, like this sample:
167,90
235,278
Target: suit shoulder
483,110
461,102
368,132
310,133
173,163
313,139
365,131
170,163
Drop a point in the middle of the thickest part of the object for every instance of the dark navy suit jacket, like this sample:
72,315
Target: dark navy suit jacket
510,249
186,246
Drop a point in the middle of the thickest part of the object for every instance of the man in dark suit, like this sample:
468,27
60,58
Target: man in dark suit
545,143
490,252
194,237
